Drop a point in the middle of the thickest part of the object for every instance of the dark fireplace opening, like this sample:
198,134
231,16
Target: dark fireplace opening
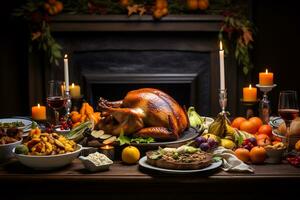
184,75
180,92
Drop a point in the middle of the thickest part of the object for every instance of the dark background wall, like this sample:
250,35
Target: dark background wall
13,64
277,46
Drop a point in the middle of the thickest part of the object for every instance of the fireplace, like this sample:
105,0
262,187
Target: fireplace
111,55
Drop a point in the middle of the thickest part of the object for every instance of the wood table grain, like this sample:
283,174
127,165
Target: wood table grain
130,180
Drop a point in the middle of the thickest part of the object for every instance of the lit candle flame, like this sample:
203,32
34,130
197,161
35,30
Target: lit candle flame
221,46
250,86
267,71
66,56
39,105
73,85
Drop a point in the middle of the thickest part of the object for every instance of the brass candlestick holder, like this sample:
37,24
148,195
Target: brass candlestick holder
68,103
223,100
264,104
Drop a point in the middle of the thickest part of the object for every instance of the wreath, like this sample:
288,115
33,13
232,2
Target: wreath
236,31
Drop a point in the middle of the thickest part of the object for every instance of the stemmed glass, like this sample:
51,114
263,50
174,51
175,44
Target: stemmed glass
288,110
56,98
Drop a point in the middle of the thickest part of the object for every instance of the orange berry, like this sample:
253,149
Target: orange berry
248,126
265,129
242,154
257,121
236,123
258,155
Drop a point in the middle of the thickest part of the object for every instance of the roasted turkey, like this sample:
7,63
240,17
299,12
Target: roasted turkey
145,112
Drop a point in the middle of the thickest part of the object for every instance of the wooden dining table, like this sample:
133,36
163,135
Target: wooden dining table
133,182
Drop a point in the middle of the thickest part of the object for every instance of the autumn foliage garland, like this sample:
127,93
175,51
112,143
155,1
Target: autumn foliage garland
236,31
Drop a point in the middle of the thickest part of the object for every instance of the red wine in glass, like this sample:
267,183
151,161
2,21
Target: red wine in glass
56,102
56,98
288,109
288,114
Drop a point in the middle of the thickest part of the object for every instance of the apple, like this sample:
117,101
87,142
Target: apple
263,140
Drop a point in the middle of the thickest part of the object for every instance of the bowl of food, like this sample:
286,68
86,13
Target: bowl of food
279,130
9,139
46,151
275,153
96,162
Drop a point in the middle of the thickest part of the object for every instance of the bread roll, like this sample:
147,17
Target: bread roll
295,127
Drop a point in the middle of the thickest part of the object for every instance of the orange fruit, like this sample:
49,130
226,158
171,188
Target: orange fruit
265,129
157,14
164,11
258,155
130,155
59,6
257,121
76,118
52,2
124,3
192,4
242,154
203,4
236,123
161,4
248,126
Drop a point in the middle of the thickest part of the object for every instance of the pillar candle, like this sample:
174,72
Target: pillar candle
38,112
222,70
266,78
66,71
249,93
109,151
75,91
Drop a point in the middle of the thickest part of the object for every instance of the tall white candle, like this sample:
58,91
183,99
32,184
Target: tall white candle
66,70
222,70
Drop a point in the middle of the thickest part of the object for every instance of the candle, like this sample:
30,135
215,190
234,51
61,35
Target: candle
249,93
75,91
66,71
108,150
38,112
222,70
266,78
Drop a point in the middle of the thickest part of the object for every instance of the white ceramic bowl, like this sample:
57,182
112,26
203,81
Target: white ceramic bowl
48,162
274,156
208,120
6,150
89,165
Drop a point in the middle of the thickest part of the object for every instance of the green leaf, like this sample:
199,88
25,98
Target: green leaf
216,158
123,139
139,140
245,70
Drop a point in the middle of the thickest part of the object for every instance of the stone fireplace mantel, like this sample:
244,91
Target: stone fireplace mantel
82,36
182,23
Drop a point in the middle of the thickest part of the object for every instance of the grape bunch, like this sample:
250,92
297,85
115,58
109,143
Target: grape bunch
206,144
66,124
249,143
49,128
294,160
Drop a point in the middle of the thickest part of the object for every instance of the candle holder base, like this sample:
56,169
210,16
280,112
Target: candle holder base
77,103
250,109
264,104
223,100
68,103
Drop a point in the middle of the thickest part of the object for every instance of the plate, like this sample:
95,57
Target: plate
214,165
186,136
275,122
27,123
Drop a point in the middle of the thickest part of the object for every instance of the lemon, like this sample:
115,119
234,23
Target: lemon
130,155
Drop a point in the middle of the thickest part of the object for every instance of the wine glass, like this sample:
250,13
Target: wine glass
56,98
288,110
